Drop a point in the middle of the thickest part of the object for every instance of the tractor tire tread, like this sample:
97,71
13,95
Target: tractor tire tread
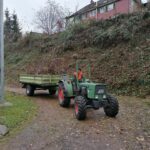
112,108
66,102
82,107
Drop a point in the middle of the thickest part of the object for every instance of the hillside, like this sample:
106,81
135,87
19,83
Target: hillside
118,49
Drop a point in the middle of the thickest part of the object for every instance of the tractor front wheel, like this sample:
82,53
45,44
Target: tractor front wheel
80,107
112,107
63,100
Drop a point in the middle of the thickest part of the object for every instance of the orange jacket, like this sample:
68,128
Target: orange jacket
80,75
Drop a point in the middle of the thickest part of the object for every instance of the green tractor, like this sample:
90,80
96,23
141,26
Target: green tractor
86,94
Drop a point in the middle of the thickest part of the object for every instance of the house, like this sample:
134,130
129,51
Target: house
105,9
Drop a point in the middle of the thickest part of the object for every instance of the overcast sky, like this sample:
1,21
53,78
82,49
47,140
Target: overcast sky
26,9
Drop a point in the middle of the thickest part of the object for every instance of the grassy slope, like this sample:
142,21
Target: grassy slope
16,116
119,51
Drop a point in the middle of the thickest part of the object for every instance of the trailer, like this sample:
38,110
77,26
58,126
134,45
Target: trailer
39,82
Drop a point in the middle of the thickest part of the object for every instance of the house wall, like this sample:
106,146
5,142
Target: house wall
121,7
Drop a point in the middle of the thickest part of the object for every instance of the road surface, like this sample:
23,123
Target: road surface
55,128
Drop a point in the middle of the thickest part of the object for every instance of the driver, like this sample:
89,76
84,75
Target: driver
80,74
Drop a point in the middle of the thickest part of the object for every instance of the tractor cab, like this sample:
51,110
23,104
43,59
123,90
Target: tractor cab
85,86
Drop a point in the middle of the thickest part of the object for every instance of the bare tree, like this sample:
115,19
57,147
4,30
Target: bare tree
77,7
50,19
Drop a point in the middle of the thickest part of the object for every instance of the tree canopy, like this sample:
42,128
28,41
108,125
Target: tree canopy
50,18
12,29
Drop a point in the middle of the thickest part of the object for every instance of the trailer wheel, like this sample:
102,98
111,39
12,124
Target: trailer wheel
63,100
80,107
30,90
52,92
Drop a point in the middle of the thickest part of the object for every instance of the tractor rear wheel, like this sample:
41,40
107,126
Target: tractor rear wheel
30,90
80,107
111,109
63,100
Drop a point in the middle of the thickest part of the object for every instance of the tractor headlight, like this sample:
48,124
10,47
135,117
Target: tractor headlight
104,96
96,96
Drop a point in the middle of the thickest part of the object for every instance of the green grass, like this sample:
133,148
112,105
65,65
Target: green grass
20,113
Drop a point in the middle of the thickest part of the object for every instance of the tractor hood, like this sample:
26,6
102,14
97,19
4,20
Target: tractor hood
94,90
88,84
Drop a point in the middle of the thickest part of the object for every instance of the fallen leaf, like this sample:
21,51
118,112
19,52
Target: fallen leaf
141,138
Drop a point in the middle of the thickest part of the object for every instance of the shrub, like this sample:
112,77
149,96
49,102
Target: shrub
78,27
66,35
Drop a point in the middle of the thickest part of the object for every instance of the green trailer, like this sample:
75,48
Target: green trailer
39,82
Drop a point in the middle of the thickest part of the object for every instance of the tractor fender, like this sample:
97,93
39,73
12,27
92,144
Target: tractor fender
68,87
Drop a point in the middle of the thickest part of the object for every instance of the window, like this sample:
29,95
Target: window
92,13
102,9
83,16
110,7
